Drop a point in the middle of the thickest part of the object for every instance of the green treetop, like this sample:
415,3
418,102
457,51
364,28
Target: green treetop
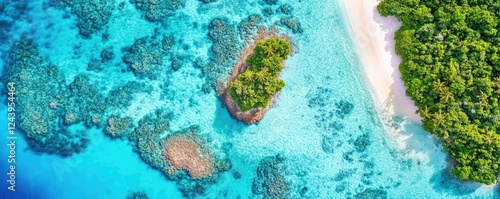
254,87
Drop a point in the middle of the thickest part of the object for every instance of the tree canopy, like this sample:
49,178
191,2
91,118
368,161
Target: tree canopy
254,87
450,66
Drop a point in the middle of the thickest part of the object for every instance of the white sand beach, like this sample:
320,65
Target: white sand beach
373,36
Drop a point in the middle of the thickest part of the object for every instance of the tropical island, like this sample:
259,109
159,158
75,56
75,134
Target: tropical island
451,68
254,85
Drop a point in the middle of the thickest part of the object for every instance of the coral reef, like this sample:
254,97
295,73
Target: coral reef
249,26
224,50
330,115
362,142
92,15
95,65
118,126
270,181
122,96
208,1
271,2
107,54
147,140
177,62
41,105
285,9
184,151
267,12
371,194
183,156
328,144
145,56
157,10
50,108
87,103
292,23
344,108
137,195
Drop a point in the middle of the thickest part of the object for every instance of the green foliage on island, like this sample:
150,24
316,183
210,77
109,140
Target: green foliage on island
451,68
254,87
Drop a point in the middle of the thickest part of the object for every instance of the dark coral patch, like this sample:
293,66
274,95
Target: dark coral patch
92,15
158,10
146,56
270,181
42,104
371,194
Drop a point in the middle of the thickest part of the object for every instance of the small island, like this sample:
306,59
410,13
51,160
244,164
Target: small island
254,85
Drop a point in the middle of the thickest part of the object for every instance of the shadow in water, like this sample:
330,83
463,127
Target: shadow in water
497,191
443,182
225,124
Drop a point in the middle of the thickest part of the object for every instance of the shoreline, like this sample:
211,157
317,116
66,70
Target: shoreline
255,114
373,36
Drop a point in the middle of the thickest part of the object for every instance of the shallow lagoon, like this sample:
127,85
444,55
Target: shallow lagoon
335,142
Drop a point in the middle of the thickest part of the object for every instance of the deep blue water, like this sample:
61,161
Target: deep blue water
334,141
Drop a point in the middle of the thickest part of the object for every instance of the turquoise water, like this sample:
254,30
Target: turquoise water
335,142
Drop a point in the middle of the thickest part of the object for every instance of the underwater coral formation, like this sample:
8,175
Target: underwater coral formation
157,10
208,1
181,156
145,56
146,137
49,109
137,195
41,104
249,26
224,50
92,15
87,103
270,181
118,126
292,23
184,151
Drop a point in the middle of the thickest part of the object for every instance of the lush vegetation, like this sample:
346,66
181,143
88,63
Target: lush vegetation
451,68
254,87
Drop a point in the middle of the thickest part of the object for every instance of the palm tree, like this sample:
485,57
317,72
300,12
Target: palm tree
438,85
261,75
247,76
425,112
488,138
268,50
497,81
483,97
238,87
439,119
446,95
